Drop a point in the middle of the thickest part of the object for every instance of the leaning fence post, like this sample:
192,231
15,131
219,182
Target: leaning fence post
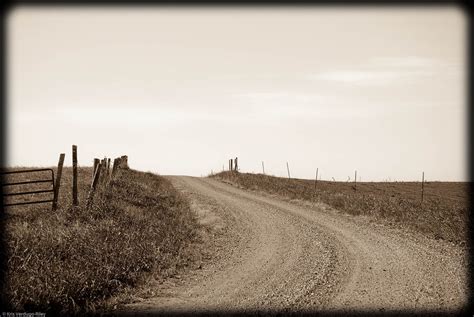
93,186
74,176
288,168
96,163
57,183
263,168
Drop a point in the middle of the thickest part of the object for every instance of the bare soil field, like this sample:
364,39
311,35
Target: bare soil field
442,215
271,256
74,260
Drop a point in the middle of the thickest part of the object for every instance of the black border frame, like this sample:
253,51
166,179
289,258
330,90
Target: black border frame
463,5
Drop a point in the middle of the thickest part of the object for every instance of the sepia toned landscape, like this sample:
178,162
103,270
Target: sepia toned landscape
236,243
236,161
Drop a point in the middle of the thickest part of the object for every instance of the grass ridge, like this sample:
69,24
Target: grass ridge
72,260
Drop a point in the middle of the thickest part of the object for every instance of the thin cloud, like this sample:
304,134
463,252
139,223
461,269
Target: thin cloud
411,62
358,76
280,97
384,70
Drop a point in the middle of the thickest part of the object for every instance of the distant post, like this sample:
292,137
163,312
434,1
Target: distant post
288,168
108,168
355,180
57,183
74,176
231,165
316,179
236,168
263,168
315,183
422,185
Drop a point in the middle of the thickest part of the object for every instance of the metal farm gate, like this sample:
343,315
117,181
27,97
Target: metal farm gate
32,180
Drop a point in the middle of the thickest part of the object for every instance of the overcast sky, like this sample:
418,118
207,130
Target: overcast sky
182,90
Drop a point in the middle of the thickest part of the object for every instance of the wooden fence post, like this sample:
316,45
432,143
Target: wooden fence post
96,163
114,167
108,168
236,168
316,179
103,164
93,186
231,165
355,180
74,176
422,186
57,183
263,168
315,183
288,168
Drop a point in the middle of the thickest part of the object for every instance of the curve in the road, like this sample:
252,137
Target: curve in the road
282,256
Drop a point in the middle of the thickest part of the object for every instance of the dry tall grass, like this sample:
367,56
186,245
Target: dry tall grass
442,215
71,260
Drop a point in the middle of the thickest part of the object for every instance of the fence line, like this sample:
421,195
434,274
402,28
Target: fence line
233,167
101,174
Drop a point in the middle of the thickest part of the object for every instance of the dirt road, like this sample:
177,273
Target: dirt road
268,254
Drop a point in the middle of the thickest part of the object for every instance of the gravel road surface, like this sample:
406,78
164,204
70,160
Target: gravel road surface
267,254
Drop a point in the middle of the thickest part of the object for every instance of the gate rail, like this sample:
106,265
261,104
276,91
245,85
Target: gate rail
4,184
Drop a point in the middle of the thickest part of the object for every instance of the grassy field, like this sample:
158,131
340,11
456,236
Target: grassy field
72,260
442,215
